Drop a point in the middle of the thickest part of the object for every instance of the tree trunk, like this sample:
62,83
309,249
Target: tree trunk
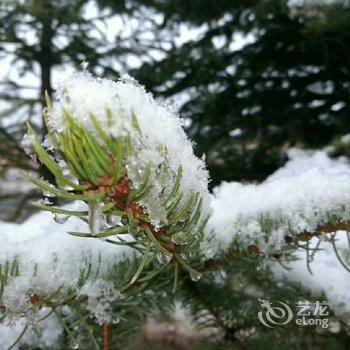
46,63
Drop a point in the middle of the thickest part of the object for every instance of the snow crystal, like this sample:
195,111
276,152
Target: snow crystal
162,139
303,195
85,65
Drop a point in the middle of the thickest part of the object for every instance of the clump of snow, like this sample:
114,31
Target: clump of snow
328,275
162,141
100,296
295,199
47,334
301,161
180,331
345,139
26,143
45,262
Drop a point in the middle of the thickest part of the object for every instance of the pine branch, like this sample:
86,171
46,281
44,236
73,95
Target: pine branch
252,252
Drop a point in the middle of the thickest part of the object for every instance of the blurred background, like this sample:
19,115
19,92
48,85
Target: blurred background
250,78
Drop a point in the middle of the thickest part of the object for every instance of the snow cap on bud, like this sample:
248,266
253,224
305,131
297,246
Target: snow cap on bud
156,145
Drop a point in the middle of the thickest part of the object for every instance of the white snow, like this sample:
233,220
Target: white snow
328,275
47,334
299,197
160,127
303,195
50,261
301,161
100,294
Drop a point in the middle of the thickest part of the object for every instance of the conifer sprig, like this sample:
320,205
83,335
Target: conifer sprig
96,172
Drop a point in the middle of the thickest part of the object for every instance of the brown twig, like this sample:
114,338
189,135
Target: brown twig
106,336
252,251
229,332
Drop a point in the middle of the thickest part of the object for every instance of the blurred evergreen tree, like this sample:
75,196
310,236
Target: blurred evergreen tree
257,78
261,76
38,39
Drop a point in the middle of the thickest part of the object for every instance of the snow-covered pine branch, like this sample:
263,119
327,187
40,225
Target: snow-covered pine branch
141,205
125,160
307,204
41,263
128,158
307,197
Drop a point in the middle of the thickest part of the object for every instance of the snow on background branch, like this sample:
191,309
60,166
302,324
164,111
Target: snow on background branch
311,190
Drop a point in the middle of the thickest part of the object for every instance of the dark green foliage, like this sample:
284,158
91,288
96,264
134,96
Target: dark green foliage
129,313
289,85
39,38
227,300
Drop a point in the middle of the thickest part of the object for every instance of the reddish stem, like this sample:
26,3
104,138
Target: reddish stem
106,336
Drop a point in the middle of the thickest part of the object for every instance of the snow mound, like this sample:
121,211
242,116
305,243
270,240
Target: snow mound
305,194
43,260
